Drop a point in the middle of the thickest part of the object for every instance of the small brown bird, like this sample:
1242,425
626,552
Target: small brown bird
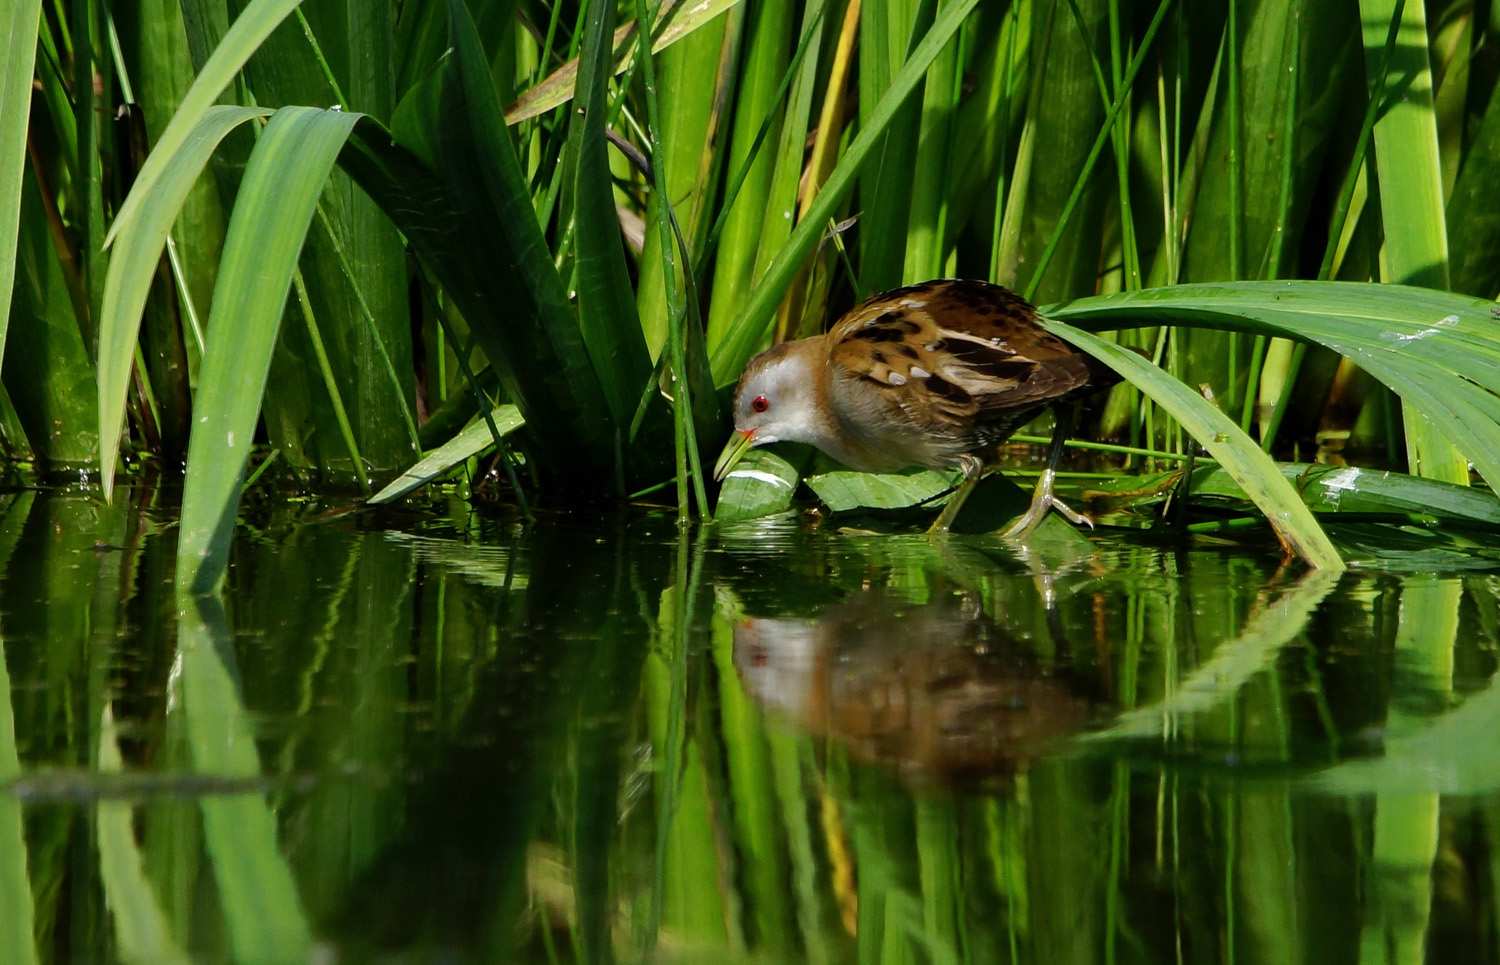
935,375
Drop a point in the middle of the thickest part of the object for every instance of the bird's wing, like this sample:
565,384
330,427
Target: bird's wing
957,352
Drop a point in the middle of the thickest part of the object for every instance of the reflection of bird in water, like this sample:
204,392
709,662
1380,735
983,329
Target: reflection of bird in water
931,690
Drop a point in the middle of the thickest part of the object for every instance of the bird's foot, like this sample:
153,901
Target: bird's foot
1070,514
973,469
1041,502
949,513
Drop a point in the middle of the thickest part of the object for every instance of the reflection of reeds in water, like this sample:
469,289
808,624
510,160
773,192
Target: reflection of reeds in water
931,691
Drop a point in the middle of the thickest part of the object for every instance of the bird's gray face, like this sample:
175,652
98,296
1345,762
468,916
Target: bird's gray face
775,401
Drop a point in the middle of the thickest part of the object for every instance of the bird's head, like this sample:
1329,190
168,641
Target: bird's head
776,400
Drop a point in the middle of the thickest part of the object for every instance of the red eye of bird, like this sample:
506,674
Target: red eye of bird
759,403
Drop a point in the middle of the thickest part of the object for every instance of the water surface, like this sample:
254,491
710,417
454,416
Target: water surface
445,736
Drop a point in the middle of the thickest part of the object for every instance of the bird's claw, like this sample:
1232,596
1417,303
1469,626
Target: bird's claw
1041,503
1070,514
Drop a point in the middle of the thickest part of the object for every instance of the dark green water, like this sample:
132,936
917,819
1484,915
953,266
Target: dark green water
448,738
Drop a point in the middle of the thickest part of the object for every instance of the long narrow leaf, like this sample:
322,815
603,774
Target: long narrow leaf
470,441
729,356
280,190
1473,217
454,187
257,21
1439,351
1226,442
133,267
1337,490
1411,192
606,301
17,53
672,25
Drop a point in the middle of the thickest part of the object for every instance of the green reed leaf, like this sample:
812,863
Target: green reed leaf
473,439
283,179
1256,473
132,271
252,27
17,55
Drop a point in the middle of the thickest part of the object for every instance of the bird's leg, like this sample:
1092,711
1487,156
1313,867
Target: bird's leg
973,468
1043,499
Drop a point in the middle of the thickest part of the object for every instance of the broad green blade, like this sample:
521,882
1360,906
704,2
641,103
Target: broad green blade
467,212
843,490
1349,489
1235,451
671,26
280,189
47,374
471,441
760,484
606,300
1439,351
1408,161
252,26
768,33
1473,217
132,270
18,21
357,284
729,356
1332,490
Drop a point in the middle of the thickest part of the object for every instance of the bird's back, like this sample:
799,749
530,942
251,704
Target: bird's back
949,367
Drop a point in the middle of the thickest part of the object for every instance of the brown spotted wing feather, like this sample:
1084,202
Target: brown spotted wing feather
964,361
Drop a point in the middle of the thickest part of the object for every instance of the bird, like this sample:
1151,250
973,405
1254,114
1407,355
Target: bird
936,374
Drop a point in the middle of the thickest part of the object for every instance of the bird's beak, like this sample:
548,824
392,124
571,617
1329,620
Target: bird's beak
734,451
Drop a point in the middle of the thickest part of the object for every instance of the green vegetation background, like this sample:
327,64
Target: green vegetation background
457,208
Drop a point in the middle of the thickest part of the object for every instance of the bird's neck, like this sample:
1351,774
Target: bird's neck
839,438
815,423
